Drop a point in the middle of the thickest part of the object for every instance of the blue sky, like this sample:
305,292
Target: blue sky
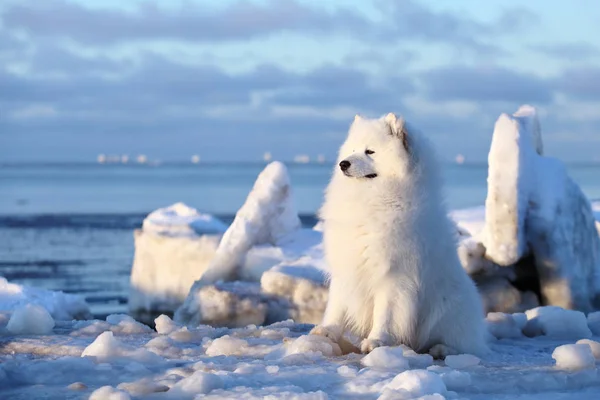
231,79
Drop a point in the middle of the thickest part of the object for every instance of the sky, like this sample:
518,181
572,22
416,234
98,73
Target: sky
229,80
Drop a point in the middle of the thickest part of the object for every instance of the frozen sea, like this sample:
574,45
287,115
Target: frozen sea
70,227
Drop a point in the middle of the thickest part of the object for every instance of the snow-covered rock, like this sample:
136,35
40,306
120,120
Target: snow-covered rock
556,322
182,220
267,217
30,319
61,306
574,357
534,208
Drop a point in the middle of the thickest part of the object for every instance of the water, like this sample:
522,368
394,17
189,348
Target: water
70,227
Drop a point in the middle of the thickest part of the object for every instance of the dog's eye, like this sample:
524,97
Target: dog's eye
369,152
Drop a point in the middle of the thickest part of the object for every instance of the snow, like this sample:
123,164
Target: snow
386,357
574,356
268,216
181,220
109,393
555,322
30,319
59,305
534,208
595,346
593,320
278,361
462,361
415,383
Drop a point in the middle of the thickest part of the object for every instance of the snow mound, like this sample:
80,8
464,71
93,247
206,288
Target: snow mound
415,383
503,326
594,346
106,348
313,344
574,357
197,384
181,220
556,322
226,346
593,320
534,208
456,380
462,361
61,306
108,393
267,217
165,325
30,319
386,357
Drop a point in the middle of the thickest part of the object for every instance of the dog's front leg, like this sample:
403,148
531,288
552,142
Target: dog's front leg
393,319
334,319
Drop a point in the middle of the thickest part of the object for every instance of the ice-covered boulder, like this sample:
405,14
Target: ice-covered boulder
268,217
61,306
534,208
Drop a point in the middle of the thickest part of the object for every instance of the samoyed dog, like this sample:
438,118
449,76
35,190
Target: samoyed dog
395,273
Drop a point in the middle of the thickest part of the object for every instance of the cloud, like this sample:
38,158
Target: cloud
486,84
241,20
580,83
578,51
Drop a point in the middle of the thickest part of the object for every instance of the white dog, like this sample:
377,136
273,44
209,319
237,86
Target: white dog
395,274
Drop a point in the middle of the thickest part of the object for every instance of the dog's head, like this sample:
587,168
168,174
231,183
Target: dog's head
376,148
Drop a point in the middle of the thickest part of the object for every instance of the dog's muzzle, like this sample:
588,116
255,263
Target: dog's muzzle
344,165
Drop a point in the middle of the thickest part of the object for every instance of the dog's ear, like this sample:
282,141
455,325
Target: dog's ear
357,117
398,128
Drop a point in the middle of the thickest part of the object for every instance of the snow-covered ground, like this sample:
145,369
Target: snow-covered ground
120,359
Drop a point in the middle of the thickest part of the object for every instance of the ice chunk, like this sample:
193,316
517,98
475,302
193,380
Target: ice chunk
30,319
164,270
179,219
574,357
106,348
595,346
593,320
196,384
456,380
108,393
503,326
61,306
308,344
267,217
534,207
418,383
557,323
226,346
462,361
165,325
386,357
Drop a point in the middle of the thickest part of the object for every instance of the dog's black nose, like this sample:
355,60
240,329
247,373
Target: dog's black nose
344,165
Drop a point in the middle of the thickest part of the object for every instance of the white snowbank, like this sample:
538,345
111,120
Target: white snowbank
61,306
30,319
179,219
556,322
574,356
109,393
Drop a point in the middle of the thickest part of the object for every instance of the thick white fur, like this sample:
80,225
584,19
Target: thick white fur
395,273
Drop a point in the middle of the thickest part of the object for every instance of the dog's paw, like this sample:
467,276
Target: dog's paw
368,345
332,333
440,351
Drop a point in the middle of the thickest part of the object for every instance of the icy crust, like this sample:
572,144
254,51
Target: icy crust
121,358
181,220
59,305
